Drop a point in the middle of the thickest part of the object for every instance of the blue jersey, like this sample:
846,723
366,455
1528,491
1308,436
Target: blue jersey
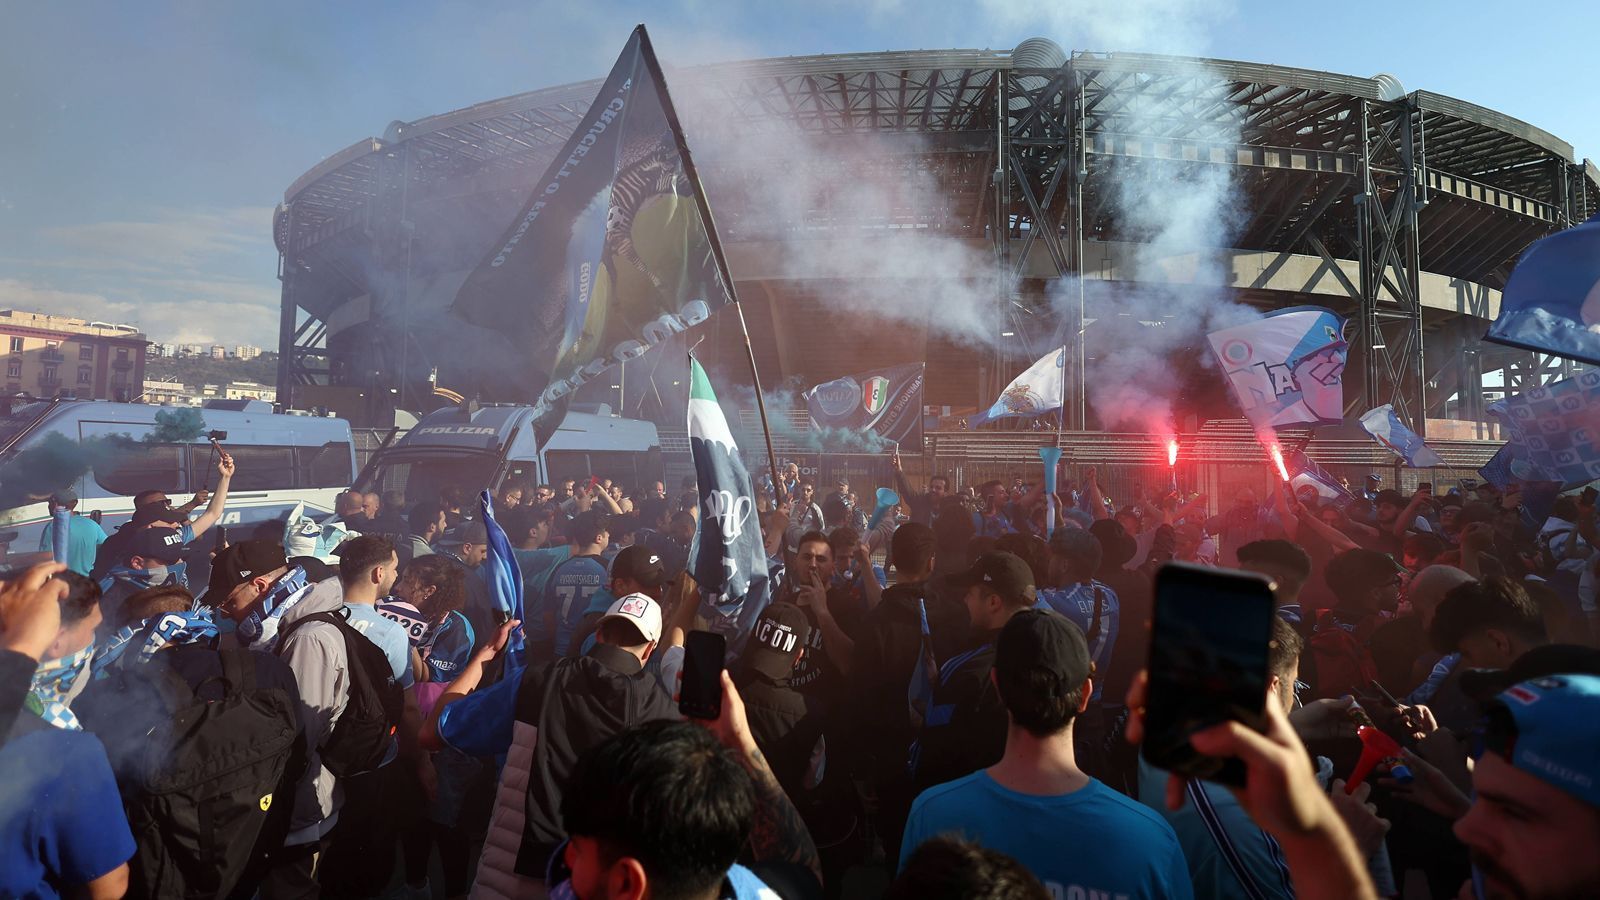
1122,849
1077,603
445,646
567,595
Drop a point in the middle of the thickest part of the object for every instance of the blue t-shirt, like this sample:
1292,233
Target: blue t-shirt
388,635
571,585
1092,842
1076,602
1227,853
445,647
84,537
62,822
536,566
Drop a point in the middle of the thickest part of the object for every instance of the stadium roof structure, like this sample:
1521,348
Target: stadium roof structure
1408,208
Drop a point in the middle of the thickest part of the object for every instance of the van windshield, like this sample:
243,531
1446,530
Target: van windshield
14,419
420,478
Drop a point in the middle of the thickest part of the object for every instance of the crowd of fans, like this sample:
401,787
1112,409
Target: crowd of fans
944,700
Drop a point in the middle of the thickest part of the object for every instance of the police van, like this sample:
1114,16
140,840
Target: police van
477,447
107,452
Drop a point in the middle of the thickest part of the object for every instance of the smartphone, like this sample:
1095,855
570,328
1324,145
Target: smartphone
1208,664
700,696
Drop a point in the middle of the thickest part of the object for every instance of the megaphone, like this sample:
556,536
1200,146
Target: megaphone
886,501
1051,456
1379,753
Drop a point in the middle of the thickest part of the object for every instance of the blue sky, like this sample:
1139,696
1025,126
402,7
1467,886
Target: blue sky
145,144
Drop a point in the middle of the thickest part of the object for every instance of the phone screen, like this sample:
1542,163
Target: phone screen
700,696
1208,664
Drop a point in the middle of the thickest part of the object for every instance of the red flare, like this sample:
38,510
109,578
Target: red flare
1172,452
1277,460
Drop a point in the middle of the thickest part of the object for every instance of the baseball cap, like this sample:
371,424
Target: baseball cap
640,564
165,544
639,611
1359,570
465,533
1549,659
1044,640
780,630
1391,497
1549,727
1005,573
238,563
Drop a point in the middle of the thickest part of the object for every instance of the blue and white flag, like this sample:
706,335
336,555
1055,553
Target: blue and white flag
505,581
1386,428
727,558
1554,430
1309,478
1286,367
1031,394
1551,303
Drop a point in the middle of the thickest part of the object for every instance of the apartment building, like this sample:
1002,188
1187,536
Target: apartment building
61,356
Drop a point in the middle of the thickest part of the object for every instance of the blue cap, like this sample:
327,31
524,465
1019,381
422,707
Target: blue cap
1556,732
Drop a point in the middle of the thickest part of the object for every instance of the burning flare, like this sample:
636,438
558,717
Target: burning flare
1172,452
1277,460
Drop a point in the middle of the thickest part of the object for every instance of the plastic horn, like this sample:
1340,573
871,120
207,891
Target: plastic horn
1051,456
886,501
61,526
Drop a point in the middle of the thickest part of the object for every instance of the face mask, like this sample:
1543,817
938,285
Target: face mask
56,683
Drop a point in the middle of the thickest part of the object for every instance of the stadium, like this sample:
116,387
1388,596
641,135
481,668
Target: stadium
1402,210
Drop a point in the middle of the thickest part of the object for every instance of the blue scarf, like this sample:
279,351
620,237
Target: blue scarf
151,635
177,574
259,630
55,683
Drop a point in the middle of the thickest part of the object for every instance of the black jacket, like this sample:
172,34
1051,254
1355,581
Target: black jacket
888,647
576,703
789,727
966,728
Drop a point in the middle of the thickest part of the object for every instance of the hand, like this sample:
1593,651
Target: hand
1447,753
813,595
731,728
428,778
1430,789
1361,817
225,465
1418,721
894,461
1322,720
863,555
30,610
1281,792
201,496
492,648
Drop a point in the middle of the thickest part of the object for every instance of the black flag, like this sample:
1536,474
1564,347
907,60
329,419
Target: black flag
886,401
614,251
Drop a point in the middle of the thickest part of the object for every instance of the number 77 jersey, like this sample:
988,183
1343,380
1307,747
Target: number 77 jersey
567,594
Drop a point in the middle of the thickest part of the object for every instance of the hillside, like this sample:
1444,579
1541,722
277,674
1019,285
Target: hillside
195,371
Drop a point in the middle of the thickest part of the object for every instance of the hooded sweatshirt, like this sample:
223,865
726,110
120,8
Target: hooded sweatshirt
316,654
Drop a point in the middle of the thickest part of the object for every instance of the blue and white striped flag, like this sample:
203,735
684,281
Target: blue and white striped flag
1386,428
505,581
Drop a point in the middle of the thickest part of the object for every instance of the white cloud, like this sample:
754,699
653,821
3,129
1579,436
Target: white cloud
181,276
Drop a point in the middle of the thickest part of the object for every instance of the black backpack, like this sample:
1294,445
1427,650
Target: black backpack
199,778
360,739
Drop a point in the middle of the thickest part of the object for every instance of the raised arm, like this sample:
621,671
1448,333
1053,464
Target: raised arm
1403,522
213,513
1091,483
1335,538
1287,507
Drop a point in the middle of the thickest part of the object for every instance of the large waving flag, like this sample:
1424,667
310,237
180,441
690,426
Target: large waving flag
614,250
1286,367
887,402
505,580
727,558
1310,477
1033,393
1555,432
1551,303
1386,428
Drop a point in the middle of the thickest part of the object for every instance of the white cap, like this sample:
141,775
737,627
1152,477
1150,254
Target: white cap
639,611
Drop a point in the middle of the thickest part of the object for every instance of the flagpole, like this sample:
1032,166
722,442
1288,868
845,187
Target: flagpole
648,55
